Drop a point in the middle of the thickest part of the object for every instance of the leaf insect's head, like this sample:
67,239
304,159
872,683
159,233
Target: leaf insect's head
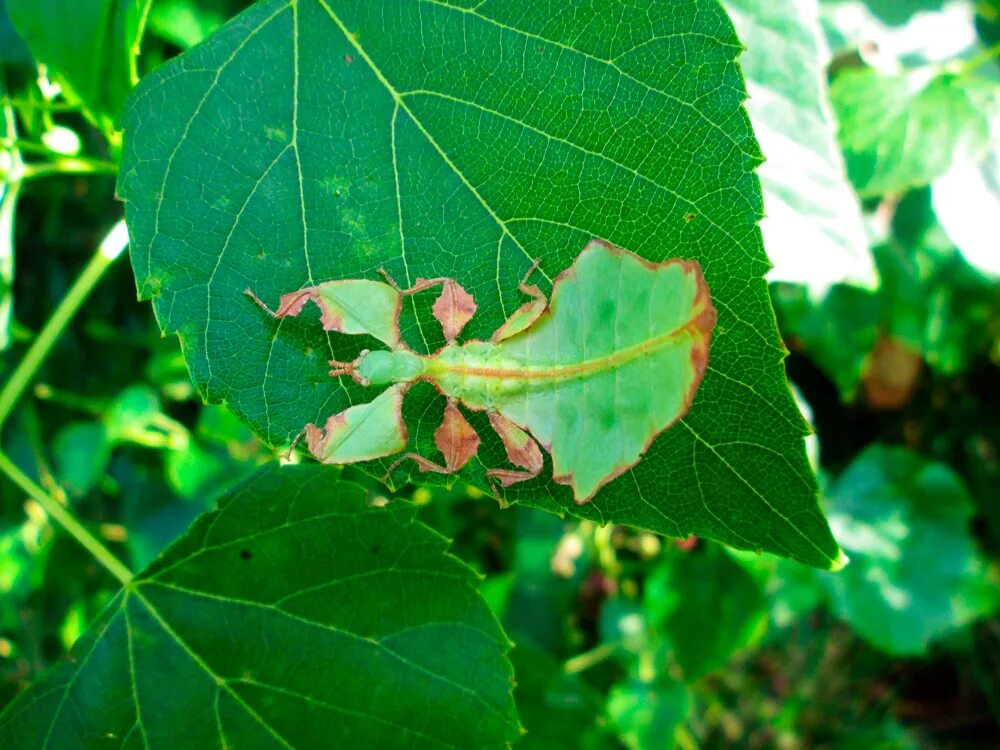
381,367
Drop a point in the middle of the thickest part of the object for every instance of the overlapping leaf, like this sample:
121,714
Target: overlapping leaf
812,232
295,616
89,46
317,139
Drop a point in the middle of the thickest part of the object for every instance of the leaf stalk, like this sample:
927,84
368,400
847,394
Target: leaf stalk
67,520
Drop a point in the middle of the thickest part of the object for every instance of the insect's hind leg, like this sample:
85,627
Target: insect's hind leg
455,438
522,450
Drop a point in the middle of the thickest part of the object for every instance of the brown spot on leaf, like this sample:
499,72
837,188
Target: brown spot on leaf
246,554
348,59
689,217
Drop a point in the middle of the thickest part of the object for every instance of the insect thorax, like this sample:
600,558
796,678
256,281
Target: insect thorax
382,368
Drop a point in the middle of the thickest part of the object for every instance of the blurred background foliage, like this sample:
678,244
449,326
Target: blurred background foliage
879,119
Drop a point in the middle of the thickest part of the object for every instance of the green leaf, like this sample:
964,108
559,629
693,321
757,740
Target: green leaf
187,22
294,616
903,131
12,48
915,572
964,201
559,709
320,140
645,714
82,451
812,232
89,47
708,606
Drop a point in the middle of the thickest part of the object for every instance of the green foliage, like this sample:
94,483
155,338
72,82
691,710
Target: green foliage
342,627
625,638
91,50
915,573
644,714
903,131
708,608
812,227
426,167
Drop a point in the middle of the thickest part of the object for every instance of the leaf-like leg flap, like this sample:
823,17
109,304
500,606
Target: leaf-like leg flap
453,308
522,450
523,317
363,432
455,438
351,306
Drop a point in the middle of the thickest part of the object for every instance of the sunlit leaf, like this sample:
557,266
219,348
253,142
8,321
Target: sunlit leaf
915,573
812,229
903,131
320,139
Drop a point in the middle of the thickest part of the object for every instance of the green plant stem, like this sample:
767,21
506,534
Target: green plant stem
44,105
592,658
66,519
70,165
111,247
10,188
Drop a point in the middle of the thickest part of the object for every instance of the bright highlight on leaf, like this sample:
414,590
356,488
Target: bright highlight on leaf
594,375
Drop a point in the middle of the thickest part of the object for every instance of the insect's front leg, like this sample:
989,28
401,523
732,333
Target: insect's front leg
522,450
455,438
524,316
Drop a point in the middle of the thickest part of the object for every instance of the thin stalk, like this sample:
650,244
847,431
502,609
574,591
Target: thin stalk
66,519
10,188
70,165
110,248
588,659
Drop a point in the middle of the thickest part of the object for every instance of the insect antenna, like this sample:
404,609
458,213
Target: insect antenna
249,293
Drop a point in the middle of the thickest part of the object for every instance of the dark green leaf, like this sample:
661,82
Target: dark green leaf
915,573
89,46
12,48
707,606
81,451
294,616
319,139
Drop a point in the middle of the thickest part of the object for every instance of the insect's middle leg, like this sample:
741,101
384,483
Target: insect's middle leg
522,450
455,438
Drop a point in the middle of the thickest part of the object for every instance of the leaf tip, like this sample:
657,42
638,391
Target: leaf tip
840,562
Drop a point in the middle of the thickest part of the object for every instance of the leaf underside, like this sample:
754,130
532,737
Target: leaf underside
319,140
295,616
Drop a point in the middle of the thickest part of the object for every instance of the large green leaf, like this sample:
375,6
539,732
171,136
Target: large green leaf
812,232
903,131
295,616
915,573
89,46
320,139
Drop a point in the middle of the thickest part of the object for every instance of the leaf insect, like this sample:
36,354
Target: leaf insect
593,375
